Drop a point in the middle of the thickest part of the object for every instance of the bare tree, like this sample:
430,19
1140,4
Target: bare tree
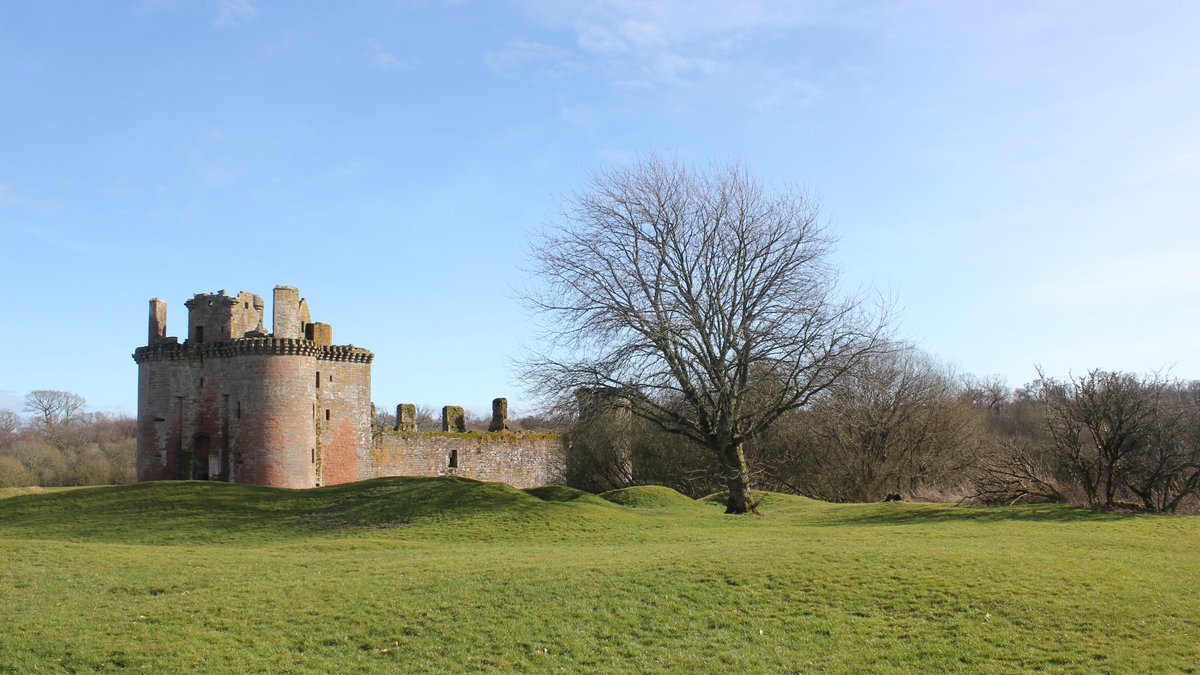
53,408
898,423
1166,470
990,392
385,419
1096,424
428,418
10,424
1012,474
707,301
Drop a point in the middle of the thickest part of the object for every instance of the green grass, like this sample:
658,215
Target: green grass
413,575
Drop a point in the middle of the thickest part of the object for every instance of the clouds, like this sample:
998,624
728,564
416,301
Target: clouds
519,56
380,58
673,44
614,26
230,13
233,13
11,197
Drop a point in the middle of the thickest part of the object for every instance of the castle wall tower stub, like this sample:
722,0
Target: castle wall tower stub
285,321
406,417
454,419
158,321
499,415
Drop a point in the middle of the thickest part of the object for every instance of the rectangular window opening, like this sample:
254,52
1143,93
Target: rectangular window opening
327,413
314,455
318,379
239,410
453,459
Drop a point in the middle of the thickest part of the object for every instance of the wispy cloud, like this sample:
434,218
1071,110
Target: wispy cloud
676,43
543,59
12,198
639,24
377,56
233,13
9,196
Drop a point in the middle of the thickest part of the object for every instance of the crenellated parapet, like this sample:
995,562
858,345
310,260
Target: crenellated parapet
173,351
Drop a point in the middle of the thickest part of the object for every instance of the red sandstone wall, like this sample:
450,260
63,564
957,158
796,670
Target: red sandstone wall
256,411
519,459
160,424
345,438
274,441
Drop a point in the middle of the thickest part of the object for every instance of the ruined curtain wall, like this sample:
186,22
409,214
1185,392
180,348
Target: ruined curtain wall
520,459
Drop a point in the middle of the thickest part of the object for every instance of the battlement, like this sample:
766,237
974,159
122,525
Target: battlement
168,351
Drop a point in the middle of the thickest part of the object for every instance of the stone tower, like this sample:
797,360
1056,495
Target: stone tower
234,403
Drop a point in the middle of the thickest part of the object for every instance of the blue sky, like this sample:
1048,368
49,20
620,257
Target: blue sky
1021,177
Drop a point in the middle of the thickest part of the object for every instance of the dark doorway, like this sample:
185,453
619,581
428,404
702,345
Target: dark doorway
453,459
224,475
200,457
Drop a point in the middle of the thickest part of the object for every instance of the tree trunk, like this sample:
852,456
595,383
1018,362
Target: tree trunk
737,478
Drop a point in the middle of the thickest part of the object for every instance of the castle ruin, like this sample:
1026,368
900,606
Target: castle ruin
291,409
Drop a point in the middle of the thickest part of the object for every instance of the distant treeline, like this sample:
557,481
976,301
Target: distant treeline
902,424
63,444
905,425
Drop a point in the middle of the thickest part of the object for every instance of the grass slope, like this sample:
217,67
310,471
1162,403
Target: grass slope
453,575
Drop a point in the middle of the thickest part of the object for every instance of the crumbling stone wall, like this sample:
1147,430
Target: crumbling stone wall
521,459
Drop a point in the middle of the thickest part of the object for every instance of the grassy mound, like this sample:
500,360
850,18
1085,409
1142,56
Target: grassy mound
191,512
648,497
773,502
18,491
452,575
561,493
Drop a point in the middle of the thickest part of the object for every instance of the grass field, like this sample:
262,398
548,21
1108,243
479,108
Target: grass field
412,575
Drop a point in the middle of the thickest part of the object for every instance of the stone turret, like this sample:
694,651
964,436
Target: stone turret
499,415
158,321
285,319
